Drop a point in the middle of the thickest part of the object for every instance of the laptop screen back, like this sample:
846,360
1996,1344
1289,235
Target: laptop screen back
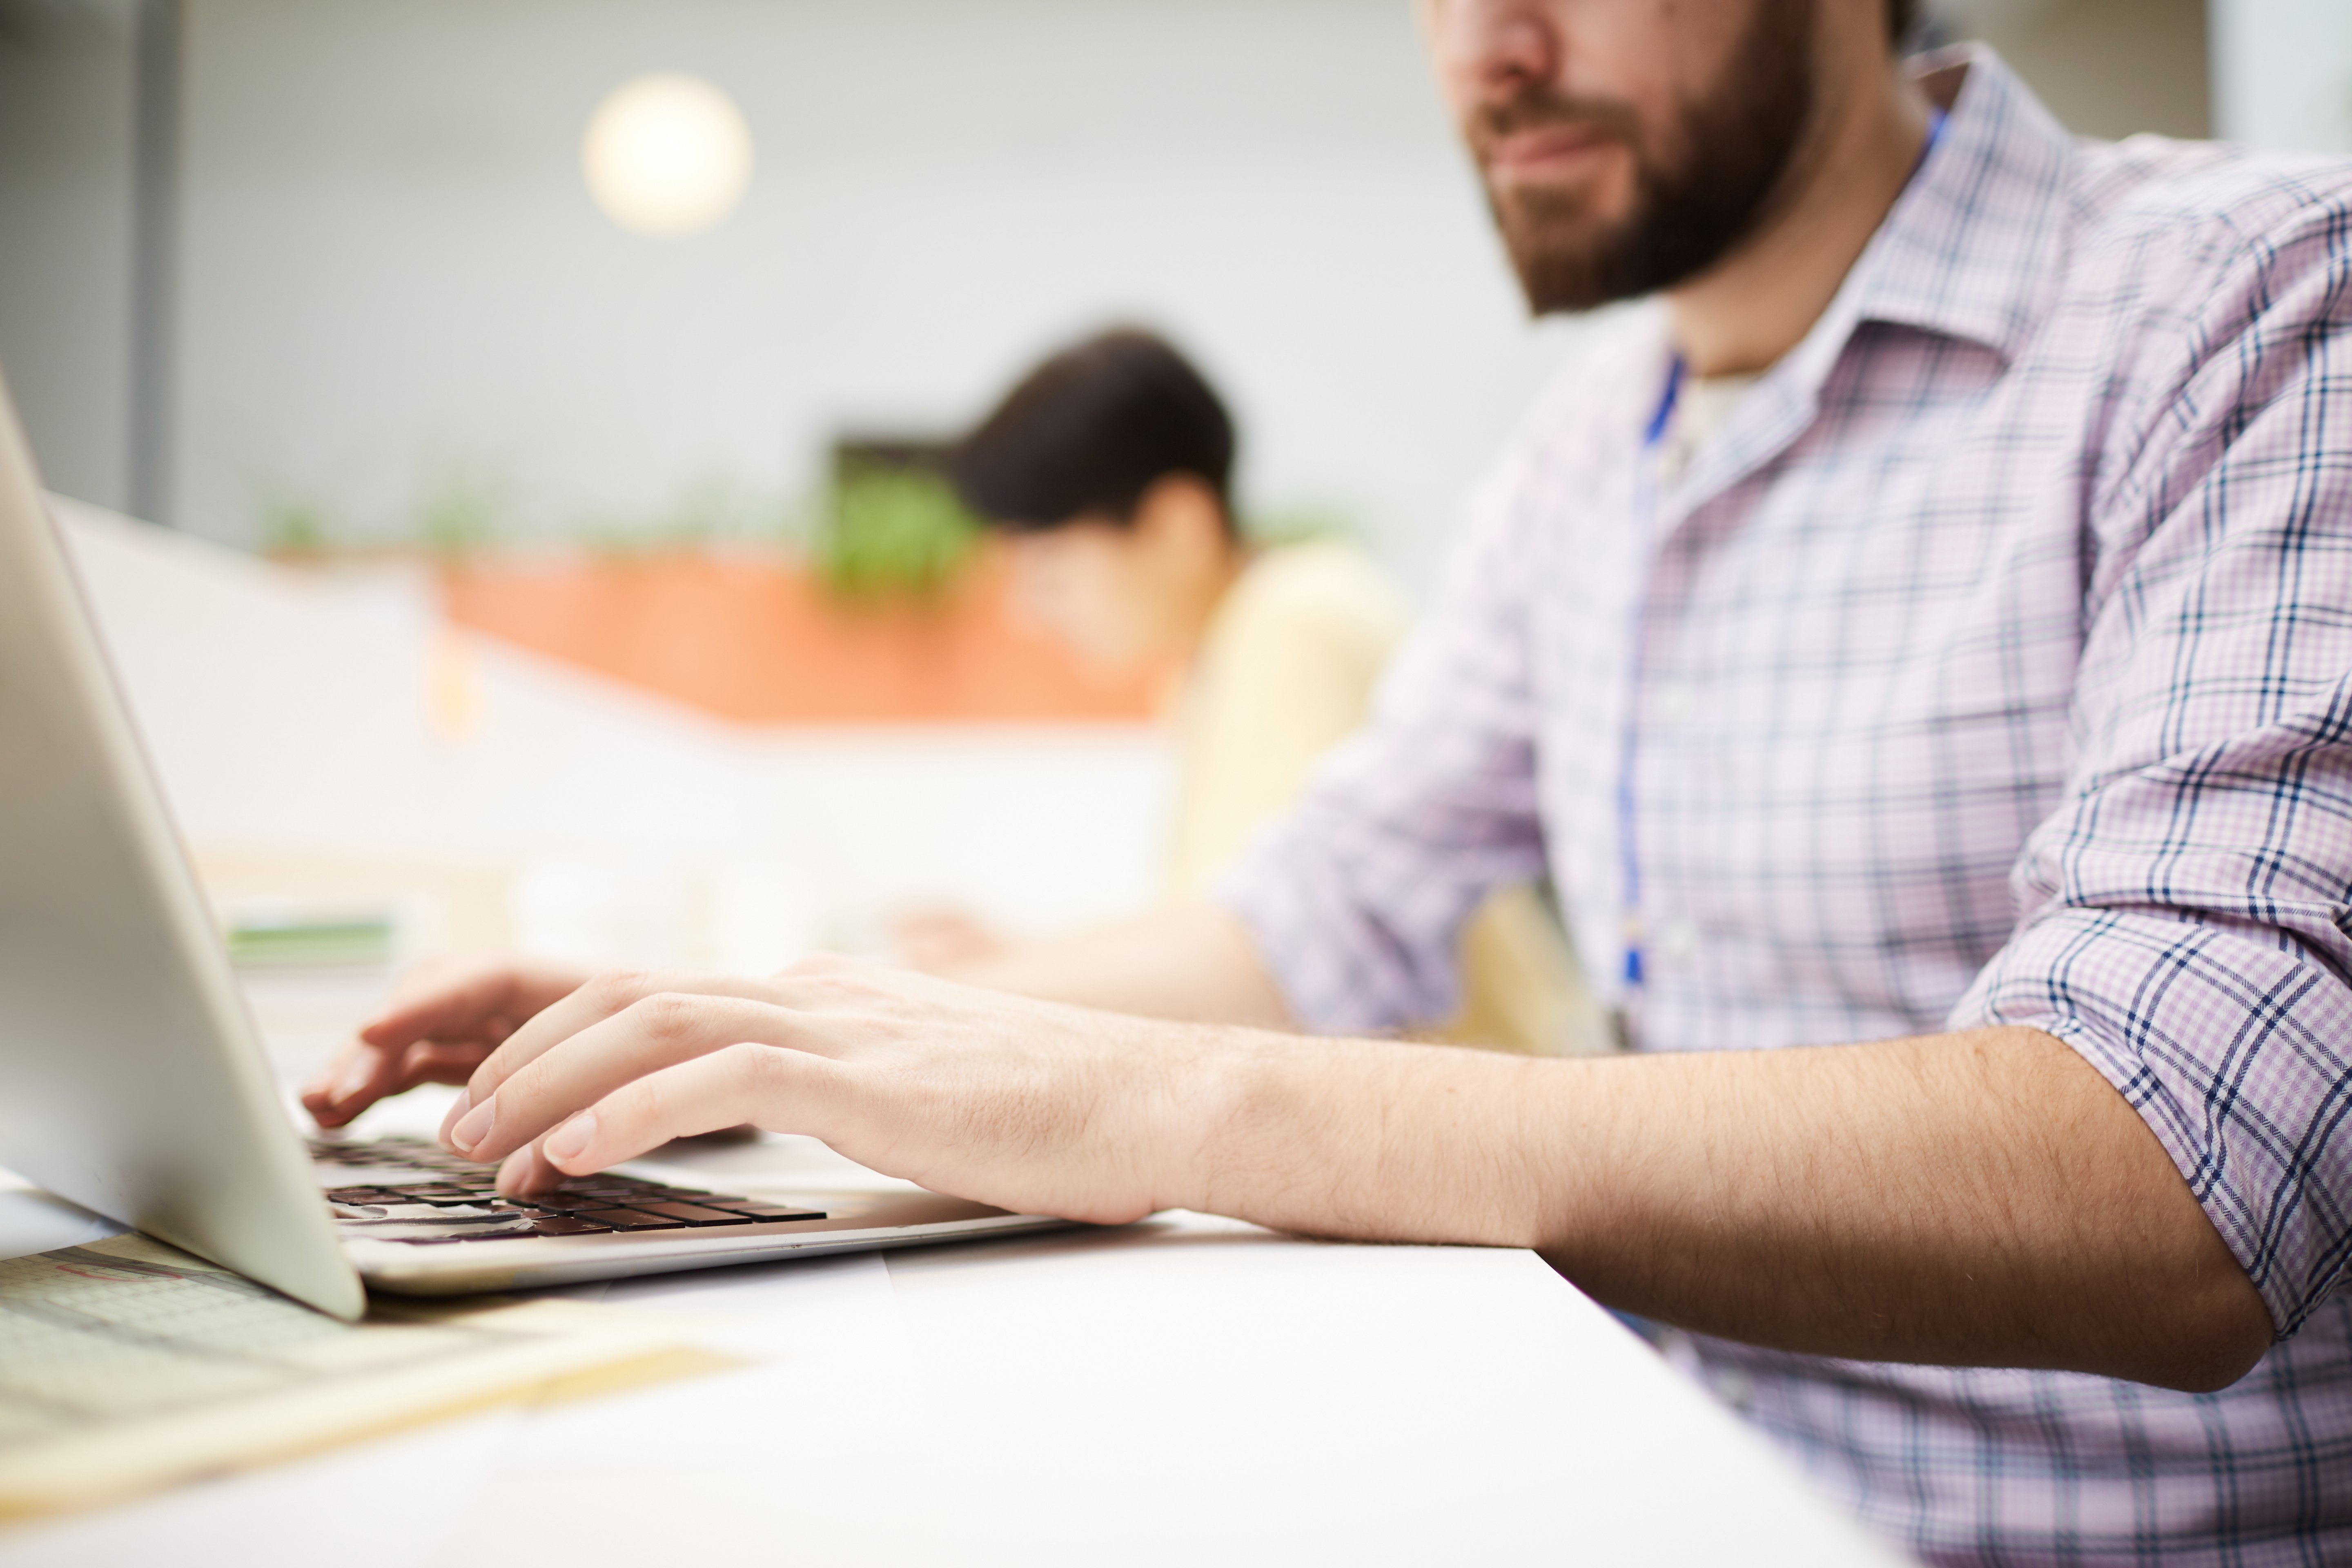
130,1080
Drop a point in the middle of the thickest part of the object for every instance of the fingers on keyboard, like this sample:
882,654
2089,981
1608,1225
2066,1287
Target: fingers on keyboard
583,1206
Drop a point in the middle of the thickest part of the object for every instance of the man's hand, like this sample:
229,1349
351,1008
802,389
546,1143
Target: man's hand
1033,1106
441,1025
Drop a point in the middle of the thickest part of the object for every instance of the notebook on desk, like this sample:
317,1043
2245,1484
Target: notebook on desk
131,1080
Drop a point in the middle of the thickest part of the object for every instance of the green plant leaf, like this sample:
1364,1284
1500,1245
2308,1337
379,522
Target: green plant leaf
894,532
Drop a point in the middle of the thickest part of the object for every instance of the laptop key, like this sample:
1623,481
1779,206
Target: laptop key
694,1214
773,1213
632,1219
566,1224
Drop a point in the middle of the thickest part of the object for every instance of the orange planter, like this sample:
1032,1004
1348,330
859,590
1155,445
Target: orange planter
758,639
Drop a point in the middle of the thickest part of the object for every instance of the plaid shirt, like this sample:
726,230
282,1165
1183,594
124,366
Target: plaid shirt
1991,663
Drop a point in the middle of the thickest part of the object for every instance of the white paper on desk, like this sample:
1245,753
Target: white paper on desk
833,1371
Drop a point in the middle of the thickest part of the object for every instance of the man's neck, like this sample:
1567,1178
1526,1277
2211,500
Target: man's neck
1759,301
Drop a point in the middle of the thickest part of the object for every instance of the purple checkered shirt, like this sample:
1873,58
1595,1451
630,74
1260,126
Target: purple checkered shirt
1990,664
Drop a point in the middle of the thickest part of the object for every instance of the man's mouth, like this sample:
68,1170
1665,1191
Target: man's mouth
1545,153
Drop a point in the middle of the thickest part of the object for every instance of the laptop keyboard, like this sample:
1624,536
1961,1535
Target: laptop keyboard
457,1200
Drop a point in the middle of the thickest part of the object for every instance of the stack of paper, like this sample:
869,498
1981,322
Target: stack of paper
125,1365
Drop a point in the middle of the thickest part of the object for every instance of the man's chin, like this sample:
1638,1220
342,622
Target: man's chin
1569,271
1568,230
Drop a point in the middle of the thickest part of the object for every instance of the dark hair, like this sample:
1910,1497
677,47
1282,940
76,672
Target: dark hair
1086,433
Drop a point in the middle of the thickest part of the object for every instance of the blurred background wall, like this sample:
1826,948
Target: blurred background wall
2282,72
391,280
67,203
2109,67
376,278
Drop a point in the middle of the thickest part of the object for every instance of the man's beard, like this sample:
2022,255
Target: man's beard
1692,203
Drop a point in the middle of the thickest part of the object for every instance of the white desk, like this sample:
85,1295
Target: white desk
1186,1390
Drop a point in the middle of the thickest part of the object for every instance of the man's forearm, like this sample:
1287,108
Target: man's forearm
1188,960
1983,1198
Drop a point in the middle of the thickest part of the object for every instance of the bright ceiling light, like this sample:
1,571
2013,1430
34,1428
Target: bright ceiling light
666,155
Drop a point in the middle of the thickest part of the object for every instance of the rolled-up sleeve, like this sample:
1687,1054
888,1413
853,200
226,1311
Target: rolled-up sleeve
1357,896
2184,915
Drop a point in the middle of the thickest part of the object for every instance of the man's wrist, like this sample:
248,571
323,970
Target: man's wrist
1229,1120
1204,1106
1362,1137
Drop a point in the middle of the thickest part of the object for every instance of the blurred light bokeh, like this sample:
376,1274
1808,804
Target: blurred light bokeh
666,155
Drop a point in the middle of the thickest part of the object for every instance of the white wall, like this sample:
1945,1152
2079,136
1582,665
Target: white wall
392,264
66,200
2283,73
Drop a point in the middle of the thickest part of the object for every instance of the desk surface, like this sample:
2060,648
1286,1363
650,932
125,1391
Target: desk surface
1186,1390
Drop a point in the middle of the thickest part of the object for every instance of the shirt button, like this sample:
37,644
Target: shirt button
1672,704
1678,942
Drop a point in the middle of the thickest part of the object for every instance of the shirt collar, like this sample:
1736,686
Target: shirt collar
1968,251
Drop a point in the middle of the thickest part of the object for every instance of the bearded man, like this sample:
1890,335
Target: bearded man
1927,623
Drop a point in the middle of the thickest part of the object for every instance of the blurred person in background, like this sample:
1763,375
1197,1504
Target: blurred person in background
1108,469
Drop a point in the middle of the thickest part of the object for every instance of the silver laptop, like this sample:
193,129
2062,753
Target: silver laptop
132,1079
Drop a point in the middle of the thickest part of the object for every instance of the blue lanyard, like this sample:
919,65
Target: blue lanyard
1629,892
1654,436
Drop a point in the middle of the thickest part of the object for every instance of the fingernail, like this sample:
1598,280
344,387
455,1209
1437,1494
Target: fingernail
457,1108
475,1126
515,1174
356,1076
571,1141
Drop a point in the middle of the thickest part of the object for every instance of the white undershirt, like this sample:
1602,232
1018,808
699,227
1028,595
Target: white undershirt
1700,409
